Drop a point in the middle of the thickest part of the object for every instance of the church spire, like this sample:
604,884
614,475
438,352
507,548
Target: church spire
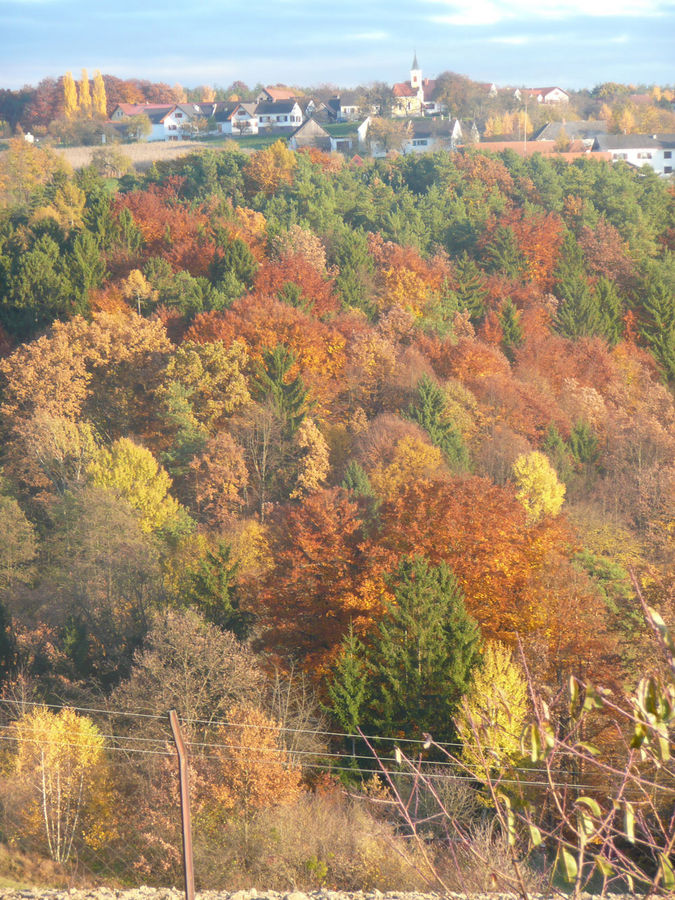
415,65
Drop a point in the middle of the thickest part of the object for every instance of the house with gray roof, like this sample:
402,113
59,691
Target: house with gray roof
274,114
576,130
655,150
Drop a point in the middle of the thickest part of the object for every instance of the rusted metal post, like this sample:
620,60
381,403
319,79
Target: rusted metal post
188,864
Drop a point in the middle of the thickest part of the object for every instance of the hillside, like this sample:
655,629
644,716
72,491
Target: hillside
311,450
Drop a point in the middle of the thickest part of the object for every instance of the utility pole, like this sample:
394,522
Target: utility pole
188,863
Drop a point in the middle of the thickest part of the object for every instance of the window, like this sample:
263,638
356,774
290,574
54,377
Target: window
421,142
644,155
667,170
667,154
178,115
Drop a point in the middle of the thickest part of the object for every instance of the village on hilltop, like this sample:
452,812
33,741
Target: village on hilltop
414,116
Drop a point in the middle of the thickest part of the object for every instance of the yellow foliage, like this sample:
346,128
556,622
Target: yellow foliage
98,98
59,757
137,289
404,288
538,488
69,95
414,459
256,771
133,474
492,714
314,463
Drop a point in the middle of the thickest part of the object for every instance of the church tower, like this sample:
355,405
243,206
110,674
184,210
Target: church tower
415,75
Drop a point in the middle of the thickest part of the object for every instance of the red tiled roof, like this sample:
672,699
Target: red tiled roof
281,93
404,89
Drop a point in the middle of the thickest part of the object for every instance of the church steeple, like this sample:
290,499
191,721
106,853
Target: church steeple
415,74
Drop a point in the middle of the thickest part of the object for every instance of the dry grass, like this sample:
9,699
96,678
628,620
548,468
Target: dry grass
142,155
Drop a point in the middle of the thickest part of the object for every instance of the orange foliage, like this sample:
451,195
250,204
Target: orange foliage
263,322
295,268
480,530
319,583
170,229
329,162
484,170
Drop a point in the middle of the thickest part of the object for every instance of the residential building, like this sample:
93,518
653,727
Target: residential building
655,151
417,96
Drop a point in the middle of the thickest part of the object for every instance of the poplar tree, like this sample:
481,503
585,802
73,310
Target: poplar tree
85,95
99,99
69,95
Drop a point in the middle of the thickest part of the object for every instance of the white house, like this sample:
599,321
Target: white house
655,151
542,95
278,114
169,121
428,136
236,118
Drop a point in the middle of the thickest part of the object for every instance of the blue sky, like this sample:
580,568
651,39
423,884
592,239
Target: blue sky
346,42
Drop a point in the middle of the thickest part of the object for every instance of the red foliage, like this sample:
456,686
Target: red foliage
170,229
317,289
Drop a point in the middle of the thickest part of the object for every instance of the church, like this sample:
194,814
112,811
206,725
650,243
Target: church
415,97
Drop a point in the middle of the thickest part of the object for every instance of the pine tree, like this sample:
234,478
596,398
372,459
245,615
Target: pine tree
558,452
509,319
578,314
69,96
423,653
658,326
85,95
289,396
99,103
429,411
213,591
584,444
471,291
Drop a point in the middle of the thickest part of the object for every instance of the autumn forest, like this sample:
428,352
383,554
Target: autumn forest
311,449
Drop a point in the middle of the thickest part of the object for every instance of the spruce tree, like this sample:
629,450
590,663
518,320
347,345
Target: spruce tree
471,291
658,326
213,591
509,319
422,654
428,410
272,382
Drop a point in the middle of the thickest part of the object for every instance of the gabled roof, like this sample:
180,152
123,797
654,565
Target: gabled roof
280,93
584,129
137,109
535,92
267,107
404,89
440,128
310,128
632,141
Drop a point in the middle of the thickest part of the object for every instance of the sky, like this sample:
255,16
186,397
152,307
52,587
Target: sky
570,43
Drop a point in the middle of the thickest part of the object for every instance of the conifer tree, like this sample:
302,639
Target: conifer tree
69,95
213,591
85,94
99,103
471,291
658,326
509,319
609,310
422,654
429,410
347,687
289,396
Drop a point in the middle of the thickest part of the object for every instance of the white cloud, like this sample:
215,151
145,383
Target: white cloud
490,12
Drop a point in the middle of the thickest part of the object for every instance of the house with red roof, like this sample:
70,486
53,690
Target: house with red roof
542,95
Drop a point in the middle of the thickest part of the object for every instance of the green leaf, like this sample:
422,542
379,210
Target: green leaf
604,866
593,700
592,804
569,863
666,870
589,748
574,691
535,835
535,744
629,821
